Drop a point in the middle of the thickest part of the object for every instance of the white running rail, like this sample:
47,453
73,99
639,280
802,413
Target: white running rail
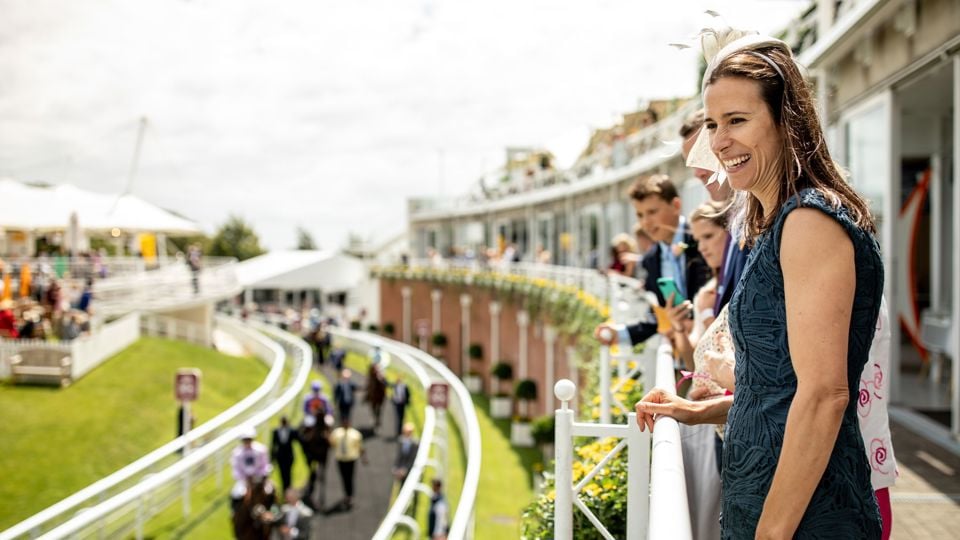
132,508
460,407
256,344
362,342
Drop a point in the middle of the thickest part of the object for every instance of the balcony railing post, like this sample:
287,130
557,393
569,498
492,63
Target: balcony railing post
605,384
638,479
563,465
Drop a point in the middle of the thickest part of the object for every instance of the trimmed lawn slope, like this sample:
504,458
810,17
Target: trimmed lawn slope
54,442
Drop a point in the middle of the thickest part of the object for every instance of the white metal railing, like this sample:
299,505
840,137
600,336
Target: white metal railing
669,512
463,414
567,497
92,350
129,510
168,287
614,162
660,511
86,352
461,409
396,516
252,341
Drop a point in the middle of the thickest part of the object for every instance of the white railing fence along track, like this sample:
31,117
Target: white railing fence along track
427,370
127,512
255,343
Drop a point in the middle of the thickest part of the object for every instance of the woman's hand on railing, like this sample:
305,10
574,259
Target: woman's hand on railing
659,402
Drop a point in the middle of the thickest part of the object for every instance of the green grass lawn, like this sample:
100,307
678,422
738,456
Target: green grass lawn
54,441
506,477
210,509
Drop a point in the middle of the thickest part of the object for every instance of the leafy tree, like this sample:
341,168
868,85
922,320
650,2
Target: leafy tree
236,238
305,239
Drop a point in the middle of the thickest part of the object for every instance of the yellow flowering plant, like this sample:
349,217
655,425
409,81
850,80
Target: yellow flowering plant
605,495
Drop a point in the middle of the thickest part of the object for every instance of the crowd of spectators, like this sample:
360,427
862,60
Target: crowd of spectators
38,301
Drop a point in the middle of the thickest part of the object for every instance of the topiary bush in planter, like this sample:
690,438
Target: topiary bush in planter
389,329
500,404
502,371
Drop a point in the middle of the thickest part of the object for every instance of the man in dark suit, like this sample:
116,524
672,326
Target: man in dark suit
407,448
674,253
345,394
281,450
400,400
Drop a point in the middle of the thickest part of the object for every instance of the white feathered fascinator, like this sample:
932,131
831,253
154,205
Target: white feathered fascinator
717,44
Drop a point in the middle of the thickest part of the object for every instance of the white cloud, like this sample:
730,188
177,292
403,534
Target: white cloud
325,114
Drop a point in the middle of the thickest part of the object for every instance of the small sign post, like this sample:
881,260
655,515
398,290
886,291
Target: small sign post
186,389
437,395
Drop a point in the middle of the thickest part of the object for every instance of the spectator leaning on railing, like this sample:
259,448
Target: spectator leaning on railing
674,255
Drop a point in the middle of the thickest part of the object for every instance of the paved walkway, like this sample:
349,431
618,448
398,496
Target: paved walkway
926,498
373,482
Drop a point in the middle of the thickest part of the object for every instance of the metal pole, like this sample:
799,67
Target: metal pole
638,480
563,465
605,384
186,450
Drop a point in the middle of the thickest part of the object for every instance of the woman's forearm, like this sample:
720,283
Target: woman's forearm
713,411
813,423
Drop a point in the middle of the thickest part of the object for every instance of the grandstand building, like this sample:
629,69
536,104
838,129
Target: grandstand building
887,76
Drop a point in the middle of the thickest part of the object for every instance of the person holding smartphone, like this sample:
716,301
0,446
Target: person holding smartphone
673,255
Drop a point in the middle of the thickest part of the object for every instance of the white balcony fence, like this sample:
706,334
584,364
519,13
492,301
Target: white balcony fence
122,502
86,352
657,511
610,162
168,287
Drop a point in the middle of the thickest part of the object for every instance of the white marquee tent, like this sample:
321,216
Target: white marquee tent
26,207
301,270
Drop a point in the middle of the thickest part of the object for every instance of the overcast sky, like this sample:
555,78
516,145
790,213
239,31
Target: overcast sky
327,115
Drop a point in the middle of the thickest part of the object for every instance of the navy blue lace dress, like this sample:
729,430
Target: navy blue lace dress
843,505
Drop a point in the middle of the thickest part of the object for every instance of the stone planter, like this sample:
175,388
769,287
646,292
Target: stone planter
500,407
521,434
474,383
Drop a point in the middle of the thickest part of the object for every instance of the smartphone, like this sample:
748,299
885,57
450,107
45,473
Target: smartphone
667,287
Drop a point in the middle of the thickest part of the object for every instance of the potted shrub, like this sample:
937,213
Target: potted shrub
439,341
500,403
372,327
355,325
472,379
543,429
389,329
521,433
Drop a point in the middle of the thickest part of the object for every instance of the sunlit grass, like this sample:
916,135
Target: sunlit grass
55,441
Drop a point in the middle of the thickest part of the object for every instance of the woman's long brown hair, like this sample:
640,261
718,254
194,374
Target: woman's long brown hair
806,161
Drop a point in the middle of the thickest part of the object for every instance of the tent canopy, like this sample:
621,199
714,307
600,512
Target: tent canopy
301,270
33,208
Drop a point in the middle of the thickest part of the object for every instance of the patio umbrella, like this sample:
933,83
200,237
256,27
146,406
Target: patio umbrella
25,281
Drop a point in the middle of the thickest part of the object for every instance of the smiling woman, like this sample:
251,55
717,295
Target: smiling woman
803,314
